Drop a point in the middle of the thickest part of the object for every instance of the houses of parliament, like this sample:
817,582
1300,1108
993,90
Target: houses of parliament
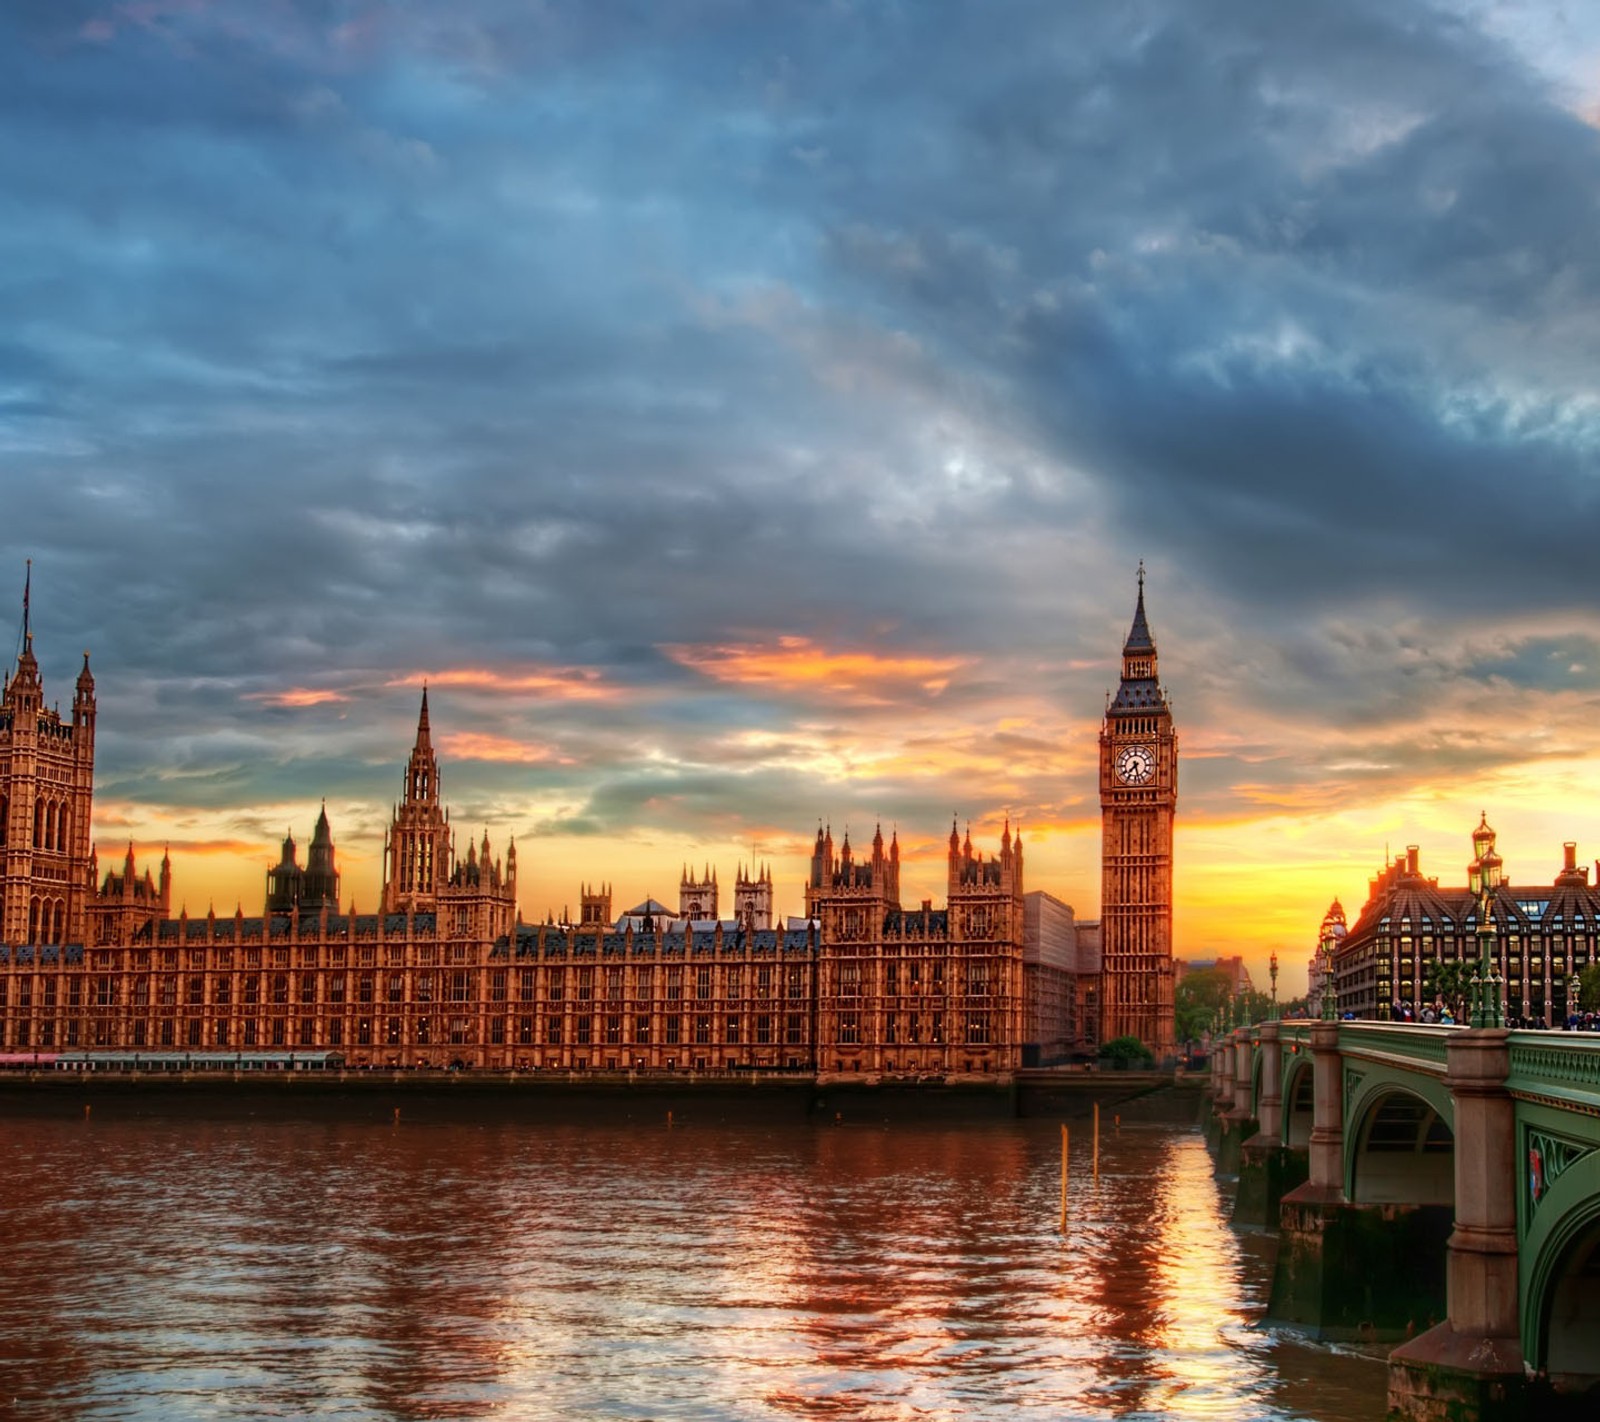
446,974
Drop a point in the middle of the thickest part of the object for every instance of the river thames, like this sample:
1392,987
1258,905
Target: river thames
181,1268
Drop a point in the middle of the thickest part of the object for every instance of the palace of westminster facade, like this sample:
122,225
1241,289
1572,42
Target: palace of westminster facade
445,973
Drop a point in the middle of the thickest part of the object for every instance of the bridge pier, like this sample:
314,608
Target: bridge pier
1268,1169
1347,1270
1299,1280
1470,1368
1222,1094
1236,1121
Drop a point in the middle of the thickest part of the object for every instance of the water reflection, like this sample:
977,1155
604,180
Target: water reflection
175,1269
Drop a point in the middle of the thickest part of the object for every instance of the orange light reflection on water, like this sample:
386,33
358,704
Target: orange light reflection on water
1209,1358
460,1264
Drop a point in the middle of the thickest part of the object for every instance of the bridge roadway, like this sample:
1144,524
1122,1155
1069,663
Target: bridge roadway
1420,1175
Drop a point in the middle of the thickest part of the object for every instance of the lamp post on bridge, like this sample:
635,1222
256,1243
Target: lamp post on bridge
1330,999
1488,1008
1272,972
1574,987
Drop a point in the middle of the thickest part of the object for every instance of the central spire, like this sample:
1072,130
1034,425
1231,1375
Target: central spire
1140,690
424,740
422,773
1139,638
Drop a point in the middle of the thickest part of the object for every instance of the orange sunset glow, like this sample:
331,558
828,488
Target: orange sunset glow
798,660
297,696
1260,851
550,683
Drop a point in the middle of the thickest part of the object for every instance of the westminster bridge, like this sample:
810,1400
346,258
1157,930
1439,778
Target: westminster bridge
1418,1176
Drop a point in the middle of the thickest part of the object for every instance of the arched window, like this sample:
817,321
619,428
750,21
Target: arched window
33,921
58,927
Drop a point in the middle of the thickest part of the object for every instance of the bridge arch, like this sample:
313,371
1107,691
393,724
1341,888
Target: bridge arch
1299,1101
1400,1142
1561,1293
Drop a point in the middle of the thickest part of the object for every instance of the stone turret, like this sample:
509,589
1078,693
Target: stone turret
46,800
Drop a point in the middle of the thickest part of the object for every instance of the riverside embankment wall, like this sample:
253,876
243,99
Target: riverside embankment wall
576,1097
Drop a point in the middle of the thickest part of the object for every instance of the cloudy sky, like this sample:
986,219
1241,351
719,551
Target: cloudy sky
746,414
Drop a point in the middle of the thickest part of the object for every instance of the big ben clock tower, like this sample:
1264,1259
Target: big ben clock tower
1138,794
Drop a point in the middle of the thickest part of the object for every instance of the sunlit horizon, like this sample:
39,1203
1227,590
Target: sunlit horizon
1252,885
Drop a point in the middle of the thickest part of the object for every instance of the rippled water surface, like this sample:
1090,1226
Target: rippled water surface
260,1269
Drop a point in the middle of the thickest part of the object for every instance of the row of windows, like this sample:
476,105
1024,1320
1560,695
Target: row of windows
47,920
1466,943
583,984
52,823
224,959
705,1029
912,1029
978,980
640,1039
102,990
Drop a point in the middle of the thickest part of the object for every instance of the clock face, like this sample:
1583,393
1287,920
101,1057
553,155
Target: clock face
1136,765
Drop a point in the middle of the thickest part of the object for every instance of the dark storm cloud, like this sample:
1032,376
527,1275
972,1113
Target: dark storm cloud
346,342
1295,324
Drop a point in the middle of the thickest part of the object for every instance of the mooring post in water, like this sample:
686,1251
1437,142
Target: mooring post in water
669,1120
397,1115
1063,1179
85,1113
1096,1140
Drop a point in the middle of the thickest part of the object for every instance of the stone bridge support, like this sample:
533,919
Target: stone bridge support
1243,1062
1268,1169
1344,1270
1326,1150
1470,1366
1221,1092
1236,1121
1269,1110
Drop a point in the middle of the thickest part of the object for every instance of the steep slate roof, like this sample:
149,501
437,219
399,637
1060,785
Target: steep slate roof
650,908
281,926
1429,909
558,942
1139,638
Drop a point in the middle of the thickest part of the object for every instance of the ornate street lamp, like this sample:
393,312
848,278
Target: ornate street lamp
1272,972
1574,988
1488,1010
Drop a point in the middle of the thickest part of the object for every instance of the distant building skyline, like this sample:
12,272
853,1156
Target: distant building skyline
1544,933
921,852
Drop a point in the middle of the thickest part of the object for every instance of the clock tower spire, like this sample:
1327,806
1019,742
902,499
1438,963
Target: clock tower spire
1138,797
